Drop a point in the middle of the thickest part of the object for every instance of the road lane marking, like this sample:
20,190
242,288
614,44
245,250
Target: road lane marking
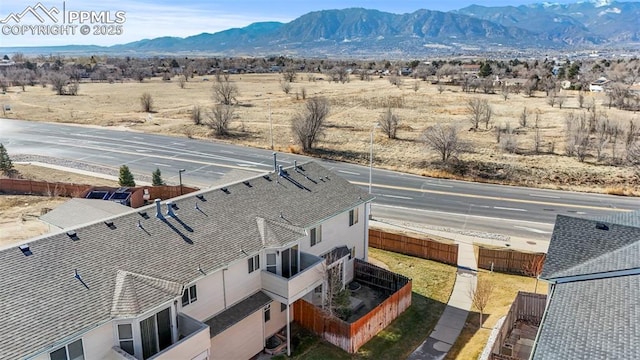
159,164
398,197
348,172
537,231
545,196
486,197
462,215
439,185
507,208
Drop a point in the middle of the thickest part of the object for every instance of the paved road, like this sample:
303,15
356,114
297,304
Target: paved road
505,209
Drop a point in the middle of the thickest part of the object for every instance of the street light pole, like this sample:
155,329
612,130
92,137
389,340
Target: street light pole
270,126
371,156
180,177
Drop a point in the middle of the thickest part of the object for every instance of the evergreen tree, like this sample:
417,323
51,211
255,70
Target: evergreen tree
485,70
156,178
126,177
6,166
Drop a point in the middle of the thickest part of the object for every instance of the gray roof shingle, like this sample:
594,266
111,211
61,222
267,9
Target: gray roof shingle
595,319
578,247
237,312
143,260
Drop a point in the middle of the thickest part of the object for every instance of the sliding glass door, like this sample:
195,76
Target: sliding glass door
156,333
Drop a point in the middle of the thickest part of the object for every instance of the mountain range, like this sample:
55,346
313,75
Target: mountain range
358,32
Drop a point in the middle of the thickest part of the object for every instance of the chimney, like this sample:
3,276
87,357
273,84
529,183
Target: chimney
170,212
275,162
159,210
280,170
295,165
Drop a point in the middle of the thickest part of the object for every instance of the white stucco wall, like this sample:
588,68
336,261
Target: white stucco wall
278,319
239,283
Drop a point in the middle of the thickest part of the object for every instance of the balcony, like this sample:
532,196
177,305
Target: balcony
193,342
290,289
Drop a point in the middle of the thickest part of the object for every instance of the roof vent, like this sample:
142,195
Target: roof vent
201,197
73,235
170,208
110,225
25,249
247,184
266,177
225,190
143,214
602,226
77,276
159,210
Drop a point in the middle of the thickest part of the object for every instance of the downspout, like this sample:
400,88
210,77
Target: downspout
288,331
367,213
544,316
224,289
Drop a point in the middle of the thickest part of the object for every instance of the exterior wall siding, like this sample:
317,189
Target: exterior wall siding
241,341
210,297
337,232
239,283
278,319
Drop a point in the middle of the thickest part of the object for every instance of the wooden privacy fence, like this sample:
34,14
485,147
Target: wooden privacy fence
30,187
419,247
351,336
527,307
509,261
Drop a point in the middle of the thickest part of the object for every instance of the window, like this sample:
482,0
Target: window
254,263
156,333
125,336
316,235
72,351
353,217
267,313
272,263
189,296
283,307
353,253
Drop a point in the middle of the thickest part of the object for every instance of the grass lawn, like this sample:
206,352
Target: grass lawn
432,285
472,340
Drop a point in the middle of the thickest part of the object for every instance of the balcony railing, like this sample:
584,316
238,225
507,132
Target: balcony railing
193,340
290,289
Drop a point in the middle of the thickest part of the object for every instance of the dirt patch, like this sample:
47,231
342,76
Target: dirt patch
355,108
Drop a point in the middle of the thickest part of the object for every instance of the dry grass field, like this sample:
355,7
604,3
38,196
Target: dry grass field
355,108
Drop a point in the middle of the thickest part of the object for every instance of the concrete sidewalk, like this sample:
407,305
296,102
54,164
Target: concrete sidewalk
454,316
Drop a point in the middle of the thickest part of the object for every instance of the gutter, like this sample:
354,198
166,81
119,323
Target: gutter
544,317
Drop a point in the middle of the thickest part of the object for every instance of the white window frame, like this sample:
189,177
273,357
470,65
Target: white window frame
353,216
267,313
191,293
253,263
315,235
132,339
66,349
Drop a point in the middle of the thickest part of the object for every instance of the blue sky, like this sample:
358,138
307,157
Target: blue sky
150,19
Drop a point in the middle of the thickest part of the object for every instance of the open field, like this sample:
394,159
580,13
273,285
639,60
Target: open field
355,109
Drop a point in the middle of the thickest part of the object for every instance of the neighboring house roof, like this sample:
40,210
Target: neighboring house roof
82,211
595,319
593,304
582,246
628,218
139,261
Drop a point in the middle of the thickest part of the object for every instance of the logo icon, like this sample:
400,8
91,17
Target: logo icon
35,11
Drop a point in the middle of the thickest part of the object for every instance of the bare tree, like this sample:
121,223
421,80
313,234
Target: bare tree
416,86
285,86
523,118
633,157
561,100
441,88
219,118
481,294
602,137
389,123
396,80
146,101
289,74
580,99
182,81
444,140
224,91
509,142
537,141
73,88
504,90
534,267
480,111
196,114
307,126
58,82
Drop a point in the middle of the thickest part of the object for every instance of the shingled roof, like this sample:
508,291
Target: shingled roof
594,302
583,246
140,261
